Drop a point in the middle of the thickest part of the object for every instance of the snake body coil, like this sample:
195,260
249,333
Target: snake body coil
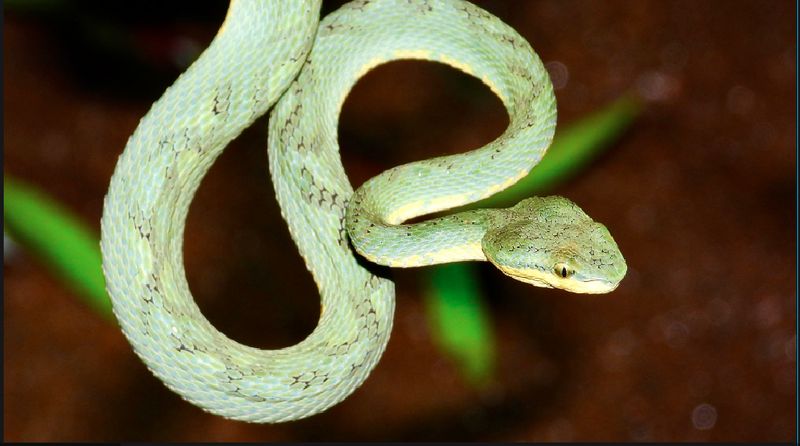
253,62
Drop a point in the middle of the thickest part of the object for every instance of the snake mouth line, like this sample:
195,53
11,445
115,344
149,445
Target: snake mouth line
597,286
541,279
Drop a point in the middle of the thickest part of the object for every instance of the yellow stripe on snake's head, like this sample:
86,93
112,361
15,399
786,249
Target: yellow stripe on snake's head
551,280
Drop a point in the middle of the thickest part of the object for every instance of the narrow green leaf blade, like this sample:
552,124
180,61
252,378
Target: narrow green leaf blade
460,325
67,246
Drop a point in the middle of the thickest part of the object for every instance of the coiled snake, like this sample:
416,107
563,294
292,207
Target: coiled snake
260,56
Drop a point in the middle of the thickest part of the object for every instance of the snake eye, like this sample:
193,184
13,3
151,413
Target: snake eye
561,269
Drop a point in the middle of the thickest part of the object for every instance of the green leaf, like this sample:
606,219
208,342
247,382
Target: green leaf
62,241
459,322
456,314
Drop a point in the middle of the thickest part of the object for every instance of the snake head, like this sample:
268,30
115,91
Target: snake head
550,242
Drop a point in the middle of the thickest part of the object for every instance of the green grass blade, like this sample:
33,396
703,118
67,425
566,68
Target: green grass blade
68,247
455,307
459,322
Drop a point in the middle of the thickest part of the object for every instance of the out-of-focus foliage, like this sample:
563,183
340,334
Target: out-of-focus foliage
62,241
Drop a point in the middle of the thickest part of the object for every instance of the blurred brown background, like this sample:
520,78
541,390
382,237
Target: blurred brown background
698,343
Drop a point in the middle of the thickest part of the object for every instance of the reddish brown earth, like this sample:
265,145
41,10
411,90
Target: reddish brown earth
698,343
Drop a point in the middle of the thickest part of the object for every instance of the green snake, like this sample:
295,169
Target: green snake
277,53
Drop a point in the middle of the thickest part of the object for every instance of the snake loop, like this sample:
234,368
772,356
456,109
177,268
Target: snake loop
253,63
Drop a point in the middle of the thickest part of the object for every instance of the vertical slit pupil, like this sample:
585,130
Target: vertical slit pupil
563,271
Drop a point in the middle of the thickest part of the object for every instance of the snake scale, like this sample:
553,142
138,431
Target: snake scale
276,52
